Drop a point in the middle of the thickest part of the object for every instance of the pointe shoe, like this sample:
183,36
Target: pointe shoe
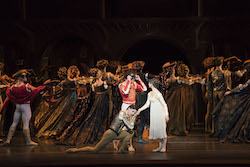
131,149
163,150
156,150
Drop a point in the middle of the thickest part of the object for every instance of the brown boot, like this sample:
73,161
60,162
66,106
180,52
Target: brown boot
9,136
29,142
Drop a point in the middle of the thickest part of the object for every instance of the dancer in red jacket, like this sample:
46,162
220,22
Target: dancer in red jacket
21,94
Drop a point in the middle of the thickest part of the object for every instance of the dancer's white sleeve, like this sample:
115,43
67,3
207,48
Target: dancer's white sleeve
163,103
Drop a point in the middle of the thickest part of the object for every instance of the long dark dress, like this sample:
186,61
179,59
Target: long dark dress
117,101
51,120
88,127
180,101
232,116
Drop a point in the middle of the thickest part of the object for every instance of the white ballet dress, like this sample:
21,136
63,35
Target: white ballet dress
158,114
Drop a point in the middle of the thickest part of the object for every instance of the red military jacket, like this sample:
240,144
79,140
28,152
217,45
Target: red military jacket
21,95
128,90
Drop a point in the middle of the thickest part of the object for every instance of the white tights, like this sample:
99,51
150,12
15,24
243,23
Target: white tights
25,111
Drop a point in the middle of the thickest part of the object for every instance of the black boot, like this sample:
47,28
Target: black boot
139,137
140,140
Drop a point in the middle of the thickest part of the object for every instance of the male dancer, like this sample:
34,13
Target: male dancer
208,64
218,84
141,98
21,94
128,90
125,118
129,87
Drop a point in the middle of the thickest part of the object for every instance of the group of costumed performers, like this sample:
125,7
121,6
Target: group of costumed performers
231,115
114,103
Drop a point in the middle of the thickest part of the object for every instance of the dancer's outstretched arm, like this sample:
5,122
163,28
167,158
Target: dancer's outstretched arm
145,106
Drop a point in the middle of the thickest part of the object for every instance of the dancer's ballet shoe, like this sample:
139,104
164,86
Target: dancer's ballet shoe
31,143
163,150
156,150
71,150
131,149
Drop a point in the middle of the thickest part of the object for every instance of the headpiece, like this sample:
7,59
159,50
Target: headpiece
182,70
208,62
218,61
168,65
93,72
138,65
19,73
102,63
62,71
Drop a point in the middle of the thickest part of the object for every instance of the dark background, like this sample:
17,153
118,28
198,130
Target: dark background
65,32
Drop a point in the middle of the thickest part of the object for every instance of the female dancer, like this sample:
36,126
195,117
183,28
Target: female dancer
21,94
180,99
4,83
66,96
158,115
231,115
89,126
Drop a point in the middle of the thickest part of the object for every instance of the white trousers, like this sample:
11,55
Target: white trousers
125,106
25,111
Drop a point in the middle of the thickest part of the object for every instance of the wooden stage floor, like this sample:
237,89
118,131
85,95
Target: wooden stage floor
196,149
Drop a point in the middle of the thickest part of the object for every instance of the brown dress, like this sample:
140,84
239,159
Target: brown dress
180,101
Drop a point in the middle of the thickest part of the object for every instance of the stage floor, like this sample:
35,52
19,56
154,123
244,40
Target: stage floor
195,149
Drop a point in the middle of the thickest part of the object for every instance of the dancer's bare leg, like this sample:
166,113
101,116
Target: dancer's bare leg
164,144
159,148
130,146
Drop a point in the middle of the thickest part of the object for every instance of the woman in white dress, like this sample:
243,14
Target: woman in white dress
159,115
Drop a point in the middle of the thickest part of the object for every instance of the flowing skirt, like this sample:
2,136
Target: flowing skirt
180,100
54,120
157,122
232,117
90,124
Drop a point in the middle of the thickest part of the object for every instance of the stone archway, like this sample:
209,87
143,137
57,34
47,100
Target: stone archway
155,52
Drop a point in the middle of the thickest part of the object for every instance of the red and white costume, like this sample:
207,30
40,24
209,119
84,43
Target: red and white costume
128,92
21,96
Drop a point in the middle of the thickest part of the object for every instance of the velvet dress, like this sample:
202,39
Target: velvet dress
232,116
180,100
51,120
89,126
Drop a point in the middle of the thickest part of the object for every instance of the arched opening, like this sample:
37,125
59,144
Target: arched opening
155,52
68,51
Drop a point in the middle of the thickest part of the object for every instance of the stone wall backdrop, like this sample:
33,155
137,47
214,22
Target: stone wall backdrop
39,33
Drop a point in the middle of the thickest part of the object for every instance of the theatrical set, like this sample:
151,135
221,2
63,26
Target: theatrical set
116,83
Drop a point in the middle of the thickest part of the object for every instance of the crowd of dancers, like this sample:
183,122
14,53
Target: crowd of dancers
114,103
